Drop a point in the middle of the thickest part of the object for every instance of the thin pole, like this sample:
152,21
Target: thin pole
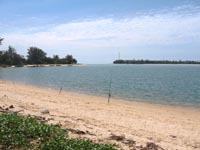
110,85
60,90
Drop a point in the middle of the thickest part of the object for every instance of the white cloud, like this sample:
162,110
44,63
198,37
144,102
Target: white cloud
177,26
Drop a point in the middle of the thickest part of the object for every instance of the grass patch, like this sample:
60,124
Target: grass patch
26,133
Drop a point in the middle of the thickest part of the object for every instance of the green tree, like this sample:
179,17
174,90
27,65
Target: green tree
70,60
1,52
36,56
18,60
1,39
74,61
49,60
56,59
10,57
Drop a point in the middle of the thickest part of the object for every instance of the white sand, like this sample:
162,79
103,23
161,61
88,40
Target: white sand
170,127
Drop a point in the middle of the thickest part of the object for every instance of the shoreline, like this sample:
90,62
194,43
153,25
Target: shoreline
53,65
123,100
44,65
104,97
171,127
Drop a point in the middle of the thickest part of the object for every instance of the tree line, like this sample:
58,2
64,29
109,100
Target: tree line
35,56
120,61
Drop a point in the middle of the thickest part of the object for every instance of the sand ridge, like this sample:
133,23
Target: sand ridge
170,127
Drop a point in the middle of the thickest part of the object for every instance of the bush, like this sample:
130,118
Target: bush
18,132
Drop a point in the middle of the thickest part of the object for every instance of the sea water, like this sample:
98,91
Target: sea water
167,84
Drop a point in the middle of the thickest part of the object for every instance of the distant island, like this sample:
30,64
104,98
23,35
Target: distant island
120,61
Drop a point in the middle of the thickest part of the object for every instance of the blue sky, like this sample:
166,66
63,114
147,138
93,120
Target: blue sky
95,31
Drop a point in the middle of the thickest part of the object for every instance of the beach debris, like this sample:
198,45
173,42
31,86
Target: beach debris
41,119
173,136
129,142
80,132
76,131
122,139
11,106
132,144
45,111
49,119
117,137
5,109
152,146
80,119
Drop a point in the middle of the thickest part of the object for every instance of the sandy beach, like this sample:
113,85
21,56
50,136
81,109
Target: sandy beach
123,123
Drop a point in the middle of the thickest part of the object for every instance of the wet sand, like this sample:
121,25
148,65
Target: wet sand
123,123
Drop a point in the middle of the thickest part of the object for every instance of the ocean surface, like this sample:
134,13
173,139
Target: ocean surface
166,84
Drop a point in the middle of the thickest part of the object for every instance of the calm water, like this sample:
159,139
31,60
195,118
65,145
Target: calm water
169,84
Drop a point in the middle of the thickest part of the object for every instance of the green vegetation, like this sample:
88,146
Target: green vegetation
1,39
10,57
56,60
36,56
154,62
26,133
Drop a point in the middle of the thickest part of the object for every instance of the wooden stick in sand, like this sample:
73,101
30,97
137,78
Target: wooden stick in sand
60,90
109,93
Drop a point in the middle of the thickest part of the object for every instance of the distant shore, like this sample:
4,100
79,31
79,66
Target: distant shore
44,65
121,61
54,65
170,127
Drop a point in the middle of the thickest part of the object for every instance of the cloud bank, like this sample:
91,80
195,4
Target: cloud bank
177,26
